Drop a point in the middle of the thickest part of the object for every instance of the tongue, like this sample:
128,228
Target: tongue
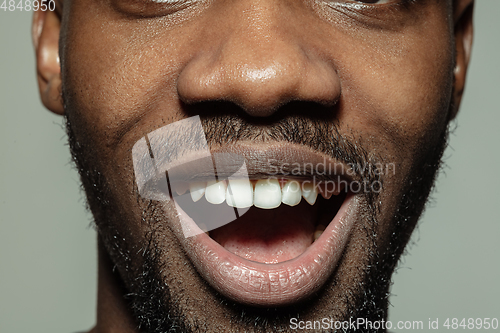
269,236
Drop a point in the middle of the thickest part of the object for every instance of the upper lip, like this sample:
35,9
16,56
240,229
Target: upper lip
267,161
271,284
284,159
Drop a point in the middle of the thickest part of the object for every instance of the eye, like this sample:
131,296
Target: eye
150,8
378,2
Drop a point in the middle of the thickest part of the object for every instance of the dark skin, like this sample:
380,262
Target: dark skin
390,76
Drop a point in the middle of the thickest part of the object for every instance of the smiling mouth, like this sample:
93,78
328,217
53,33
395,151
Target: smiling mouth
286,234
257,232
239,216
282,217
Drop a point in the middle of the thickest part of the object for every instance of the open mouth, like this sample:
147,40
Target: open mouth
258,232
282,219
267,240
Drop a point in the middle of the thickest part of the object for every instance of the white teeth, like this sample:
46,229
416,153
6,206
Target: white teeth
325,192
319,230
291,193
239,193
215,192
181,188
267,194
197,190
309,192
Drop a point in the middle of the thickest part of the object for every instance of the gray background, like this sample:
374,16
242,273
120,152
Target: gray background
47,250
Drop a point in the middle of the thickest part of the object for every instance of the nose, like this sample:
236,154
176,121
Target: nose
260,59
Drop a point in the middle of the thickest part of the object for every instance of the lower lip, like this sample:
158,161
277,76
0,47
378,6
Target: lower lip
260,284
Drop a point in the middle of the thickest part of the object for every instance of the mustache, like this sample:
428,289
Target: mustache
318,130
183,148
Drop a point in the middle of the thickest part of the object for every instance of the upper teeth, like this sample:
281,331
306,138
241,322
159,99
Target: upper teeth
215,192
267,194
310,193
239,193
291,194
263,193
197,190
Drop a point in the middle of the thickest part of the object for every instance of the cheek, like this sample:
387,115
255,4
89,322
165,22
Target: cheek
408,95
118,73
400,90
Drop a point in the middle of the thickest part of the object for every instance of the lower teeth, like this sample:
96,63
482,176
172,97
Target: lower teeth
319,231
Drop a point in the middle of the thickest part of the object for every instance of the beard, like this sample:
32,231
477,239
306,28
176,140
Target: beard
157,308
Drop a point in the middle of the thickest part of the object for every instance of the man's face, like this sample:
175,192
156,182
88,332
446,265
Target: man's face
367,84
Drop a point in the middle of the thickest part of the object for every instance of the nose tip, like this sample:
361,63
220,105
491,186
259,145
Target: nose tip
259,71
